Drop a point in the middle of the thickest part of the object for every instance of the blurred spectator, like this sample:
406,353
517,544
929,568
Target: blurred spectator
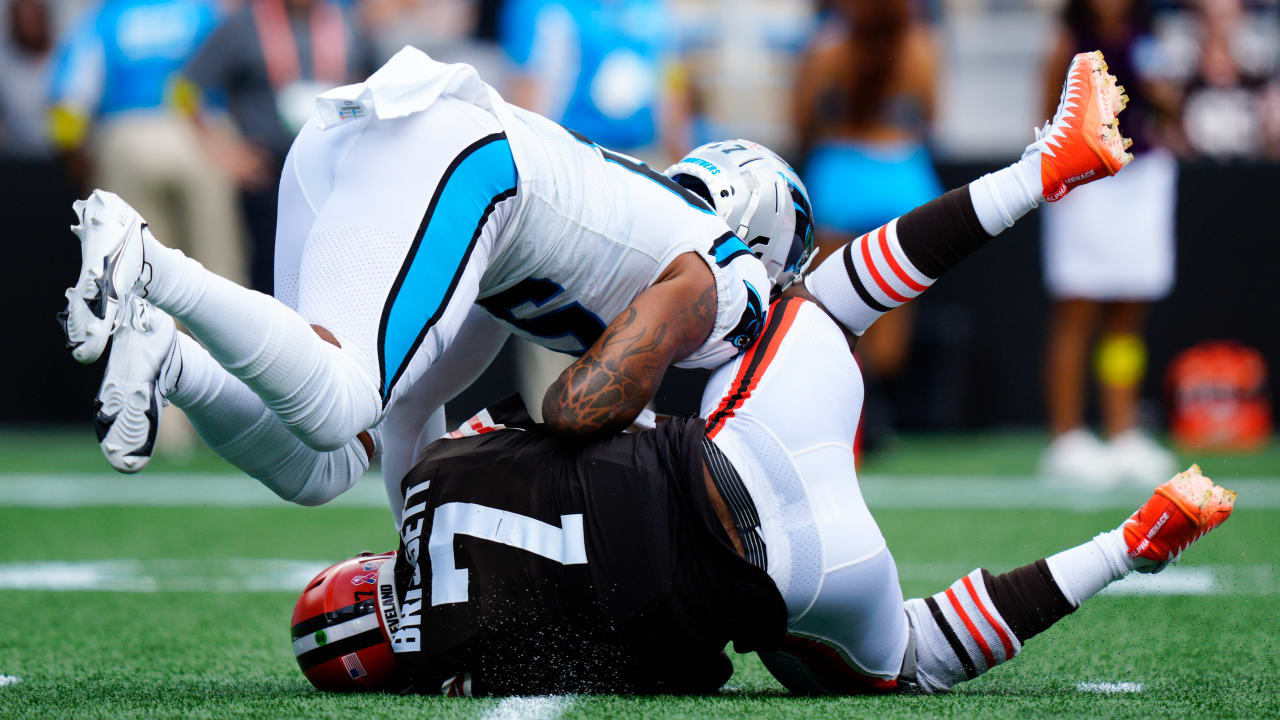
268,61
1108,252
444,29
24,96
110,116
864,99
1231,107
109,88
604,68
488,18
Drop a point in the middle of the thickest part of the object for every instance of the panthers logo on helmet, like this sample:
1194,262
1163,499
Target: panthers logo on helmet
802,242
744,334
760,198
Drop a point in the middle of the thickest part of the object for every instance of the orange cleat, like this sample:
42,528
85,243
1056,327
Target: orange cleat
1180,512
1083,142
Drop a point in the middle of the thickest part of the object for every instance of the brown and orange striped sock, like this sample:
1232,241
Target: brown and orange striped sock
980,621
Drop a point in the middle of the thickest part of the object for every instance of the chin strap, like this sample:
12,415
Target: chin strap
753,204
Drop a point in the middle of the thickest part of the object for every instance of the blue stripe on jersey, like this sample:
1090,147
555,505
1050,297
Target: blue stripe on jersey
727,247
645,171
478,179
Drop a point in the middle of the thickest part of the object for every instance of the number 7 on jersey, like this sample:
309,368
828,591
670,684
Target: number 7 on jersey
565,544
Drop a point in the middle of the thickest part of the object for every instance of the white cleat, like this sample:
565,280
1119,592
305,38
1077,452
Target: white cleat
1078,460
111,263
1141,460
127,409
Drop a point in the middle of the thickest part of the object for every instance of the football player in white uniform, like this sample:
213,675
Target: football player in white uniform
780,475
421,220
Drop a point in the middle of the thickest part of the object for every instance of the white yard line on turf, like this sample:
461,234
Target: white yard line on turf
530,708
266,575
1109,688
7,680
162,575
881,492
1028,493
159,490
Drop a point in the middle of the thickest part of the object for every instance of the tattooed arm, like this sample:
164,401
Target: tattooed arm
606,388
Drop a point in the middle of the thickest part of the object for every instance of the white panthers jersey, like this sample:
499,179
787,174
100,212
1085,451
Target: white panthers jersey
595,228
591,229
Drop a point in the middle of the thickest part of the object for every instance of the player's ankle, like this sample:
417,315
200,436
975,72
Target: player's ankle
1117,549
1083,571
189,378
171,281
934,668
1028,172
960,633
1002,197
170,372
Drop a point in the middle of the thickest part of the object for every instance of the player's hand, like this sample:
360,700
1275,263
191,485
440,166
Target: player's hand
248,165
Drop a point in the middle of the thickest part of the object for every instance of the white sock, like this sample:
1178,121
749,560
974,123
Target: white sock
321,392
1084,570
968,617
1001,197
866,279
236,424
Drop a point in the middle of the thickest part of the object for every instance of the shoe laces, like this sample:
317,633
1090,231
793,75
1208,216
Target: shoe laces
141,316
1042,135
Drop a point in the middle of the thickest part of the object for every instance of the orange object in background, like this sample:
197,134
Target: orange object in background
1220,397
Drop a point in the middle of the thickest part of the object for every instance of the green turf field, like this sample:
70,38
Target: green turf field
194,575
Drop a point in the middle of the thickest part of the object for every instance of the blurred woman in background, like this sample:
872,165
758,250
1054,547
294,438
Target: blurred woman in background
864,100
1108,253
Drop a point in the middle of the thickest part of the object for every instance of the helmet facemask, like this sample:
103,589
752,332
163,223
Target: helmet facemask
801,239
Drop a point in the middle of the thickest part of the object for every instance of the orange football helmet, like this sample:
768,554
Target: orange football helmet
340,634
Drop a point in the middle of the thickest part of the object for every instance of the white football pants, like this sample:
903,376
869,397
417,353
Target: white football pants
785,414
384,230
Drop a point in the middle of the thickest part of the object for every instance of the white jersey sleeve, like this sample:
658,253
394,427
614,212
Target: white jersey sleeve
742,296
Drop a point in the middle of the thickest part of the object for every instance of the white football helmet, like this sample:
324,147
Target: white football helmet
759,196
